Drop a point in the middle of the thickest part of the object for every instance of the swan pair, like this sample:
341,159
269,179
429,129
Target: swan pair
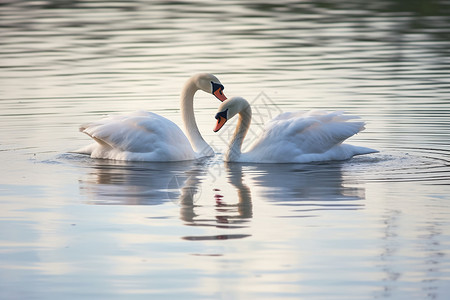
289,138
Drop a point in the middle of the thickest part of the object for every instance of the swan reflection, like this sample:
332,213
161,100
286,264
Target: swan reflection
130,183
223,201
309,187
229,212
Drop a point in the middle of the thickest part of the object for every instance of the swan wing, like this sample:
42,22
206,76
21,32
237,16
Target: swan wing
318,131
307,136
138,136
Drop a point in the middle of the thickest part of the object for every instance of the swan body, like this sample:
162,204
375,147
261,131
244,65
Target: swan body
292,137
146,136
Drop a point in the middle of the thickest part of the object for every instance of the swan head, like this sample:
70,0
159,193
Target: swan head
228,109
210,84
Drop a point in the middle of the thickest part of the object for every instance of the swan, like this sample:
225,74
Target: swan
146,136
291,137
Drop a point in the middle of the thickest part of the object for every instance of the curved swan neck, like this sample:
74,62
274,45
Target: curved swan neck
235,148
187,113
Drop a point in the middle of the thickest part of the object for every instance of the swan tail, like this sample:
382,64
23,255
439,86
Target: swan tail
89,130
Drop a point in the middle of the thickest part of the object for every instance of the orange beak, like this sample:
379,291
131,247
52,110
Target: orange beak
220,122
219,94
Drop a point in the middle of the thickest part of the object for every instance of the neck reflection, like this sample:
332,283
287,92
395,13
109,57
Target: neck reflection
228,213
292,190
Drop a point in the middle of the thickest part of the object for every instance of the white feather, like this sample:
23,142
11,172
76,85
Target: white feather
146,136
295,136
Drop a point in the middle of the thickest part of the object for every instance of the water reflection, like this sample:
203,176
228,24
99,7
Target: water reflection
125,183
305,188
236,178
309,188
228,214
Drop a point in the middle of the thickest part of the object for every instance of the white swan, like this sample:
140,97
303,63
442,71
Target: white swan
146,136
292,137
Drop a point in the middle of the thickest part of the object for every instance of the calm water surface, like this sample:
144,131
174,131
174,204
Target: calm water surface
376,226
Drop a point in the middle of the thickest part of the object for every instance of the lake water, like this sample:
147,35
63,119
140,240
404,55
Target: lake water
375,226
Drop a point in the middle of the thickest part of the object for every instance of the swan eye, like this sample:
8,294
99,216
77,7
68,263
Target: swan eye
222,114
217,86
217,90
221,119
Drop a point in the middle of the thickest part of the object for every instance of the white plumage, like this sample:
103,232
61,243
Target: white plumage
139,136
293,137
146,136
